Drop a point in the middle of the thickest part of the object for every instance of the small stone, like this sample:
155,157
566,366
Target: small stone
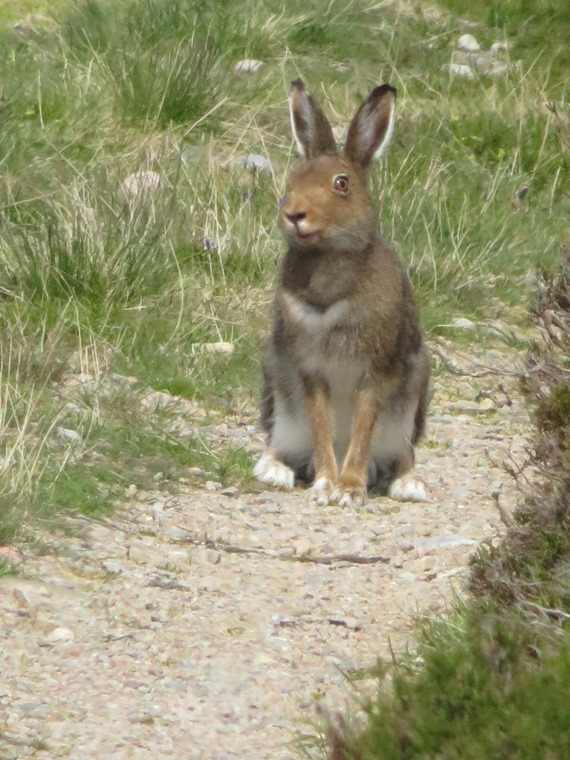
466,407
139,183
232,492
356,544
253,162
178,535
468,43
498,49
123,379
302,547
461,323
212,485
427,562
487,405
112,567
11,555
177,559
221,347
59,634
443,542
498,70
69,435
131,490
461,70
248,66
204,555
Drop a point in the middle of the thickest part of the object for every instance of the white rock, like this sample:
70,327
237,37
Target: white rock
212,348
112,567
140,183
59,634
248,66
69,435
302,547
253,162
468,43
461,70
498,70
499,48
462,323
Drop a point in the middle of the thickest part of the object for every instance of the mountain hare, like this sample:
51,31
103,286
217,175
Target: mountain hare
346,372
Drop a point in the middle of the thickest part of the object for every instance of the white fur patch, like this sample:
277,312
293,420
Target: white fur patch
388,136
272,472
348,498
408,488
320,492
313,320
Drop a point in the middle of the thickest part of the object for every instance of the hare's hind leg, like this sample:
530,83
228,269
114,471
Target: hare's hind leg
271,471
393,456
407,486
288,448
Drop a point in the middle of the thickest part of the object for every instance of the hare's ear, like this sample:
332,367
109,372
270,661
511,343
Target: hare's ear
310,127
371,129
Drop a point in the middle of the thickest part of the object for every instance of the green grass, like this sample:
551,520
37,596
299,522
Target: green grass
98,279
478,695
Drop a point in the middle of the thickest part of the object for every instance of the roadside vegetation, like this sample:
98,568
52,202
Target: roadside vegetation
139,177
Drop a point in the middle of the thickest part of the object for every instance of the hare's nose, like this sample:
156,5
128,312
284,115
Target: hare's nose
297,217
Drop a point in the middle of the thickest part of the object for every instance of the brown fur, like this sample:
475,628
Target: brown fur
346,371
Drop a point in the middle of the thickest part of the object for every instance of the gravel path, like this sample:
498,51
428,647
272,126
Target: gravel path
207,625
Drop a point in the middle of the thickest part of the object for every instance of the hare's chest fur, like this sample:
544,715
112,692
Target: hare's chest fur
326,342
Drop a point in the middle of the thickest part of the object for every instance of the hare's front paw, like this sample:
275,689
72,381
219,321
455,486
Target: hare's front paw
350,491
348,495
272,472
408,488
320,492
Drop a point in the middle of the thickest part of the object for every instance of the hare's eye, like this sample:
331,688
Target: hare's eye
340,183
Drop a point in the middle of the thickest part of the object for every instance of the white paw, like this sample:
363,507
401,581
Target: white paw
274,473
320,492
408,488
348,497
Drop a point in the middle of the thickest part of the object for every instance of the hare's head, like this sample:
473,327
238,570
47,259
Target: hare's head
327,203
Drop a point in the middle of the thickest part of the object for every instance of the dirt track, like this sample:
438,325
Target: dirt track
206,625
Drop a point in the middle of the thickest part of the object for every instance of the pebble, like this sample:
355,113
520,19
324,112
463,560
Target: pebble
232,492
140,183
468,43
462,323
59,634
303,547
253,162
178,534
461,70
248,66
69,435
11,555
112,567
221,347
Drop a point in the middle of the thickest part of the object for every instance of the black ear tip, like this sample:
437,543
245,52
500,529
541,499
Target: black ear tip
383,89
298,84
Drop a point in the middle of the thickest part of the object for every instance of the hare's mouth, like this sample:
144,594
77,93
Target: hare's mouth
305,238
